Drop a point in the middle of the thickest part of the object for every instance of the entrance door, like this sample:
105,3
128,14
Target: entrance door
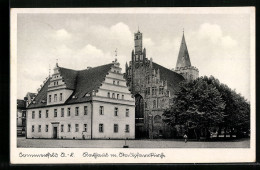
55,132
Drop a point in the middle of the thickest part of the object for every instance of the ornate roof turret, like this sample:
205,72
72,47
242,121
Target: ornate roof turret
183,57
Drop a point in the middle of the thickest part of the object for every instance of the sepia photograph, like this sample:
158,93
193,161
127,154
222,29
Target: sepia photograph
133,79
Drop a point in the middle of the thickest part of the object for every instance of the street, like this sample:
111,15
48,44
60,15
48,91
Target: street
22,142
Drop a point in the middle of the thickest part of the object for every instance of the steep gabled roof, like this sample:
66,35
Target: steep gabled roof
183,57
173,79
69,76
81,82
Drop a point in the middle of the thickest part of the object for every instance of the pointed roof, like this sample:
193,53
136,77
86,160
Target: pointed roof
81,82
183,57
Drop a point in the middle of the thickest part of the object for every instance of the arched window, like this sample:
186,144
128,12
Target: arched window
113,95
157,119
108,95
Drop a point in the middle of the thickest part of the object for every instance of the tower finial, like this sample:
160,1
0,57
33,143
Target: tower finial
57,61
116,55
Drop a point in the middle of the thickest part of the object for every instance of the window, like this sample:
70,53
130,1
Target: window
148,91
108,95
117,82
55,97
101,128
115,128
40,113
157,119
127,128
154,104
46,128
153,91
55,112
47,113
61,128
123,97
101,110
117,96
69,127
113,95
39,128
76,111
85,110
76,127
161,90
49,98
60,96
145,105
116,111
62,112
32,128
127,112
114,82
57,82
141,57
68,112
33,114
85,127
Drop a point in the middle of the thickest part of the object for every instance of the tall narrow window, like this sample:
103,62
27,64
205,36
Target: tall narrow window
117,96
68,112
39,128
117,82
108,95
154,104
33,114
123,97
69,127
60,96
101,128
55,97
114,82
85,110
46,128
113,95
62,112
76,111
116,111
76,127
32,128
49,98
127,128
40,113
85,127
101,110
127,112
47,113
55,112
61,128
115,128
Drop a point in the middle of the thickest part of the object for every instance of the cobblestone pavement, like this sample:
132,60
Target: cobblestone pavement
155,143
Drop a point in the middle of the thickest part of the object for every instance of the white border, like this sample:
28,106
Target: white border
173,155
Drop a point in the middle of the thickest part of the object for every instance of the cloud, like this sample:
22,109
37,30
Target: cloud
148,42
62,34
214,34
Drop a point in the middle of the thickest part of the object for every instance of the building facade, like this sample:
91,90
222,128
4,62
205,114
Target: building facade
21,117
89,104
154,88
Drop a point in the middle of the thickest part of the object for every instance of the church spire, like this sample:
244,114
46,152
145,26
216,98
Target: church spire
183,57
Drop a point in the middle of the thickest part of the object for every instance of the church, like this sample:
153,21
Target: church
154,88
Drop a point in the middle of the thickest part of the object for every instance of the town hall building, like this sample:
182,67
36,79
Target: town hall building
94,103
154,88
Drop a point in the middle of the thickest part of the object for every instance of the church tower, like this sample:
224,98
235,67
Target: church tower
183,65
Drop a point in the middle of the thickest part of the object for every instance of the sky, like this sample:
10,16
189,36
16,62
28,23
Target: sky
218,44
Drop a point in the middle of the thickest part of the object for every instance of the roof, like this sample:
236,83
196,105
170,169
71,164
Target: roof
21,104
173,79
183,57
81,82
32,95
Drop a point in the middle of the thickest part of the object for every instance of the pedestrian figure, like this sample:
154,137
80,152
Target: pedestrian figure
185,138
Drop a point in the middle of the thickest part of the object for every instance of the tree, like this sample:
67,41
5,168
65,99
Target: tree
198,106
205,103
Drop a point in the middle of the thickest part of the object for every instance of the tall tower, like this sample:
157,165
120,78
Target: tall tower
138,37
183,65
